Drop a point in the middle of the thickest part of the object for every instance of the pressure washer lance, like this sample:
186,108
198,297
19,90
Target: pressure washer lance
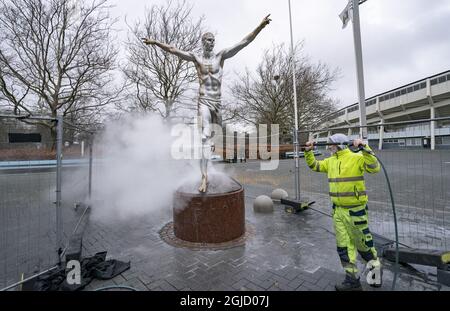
358,149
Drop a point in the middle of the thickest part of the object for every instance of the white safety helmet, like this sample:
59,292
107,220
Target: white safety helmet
340,140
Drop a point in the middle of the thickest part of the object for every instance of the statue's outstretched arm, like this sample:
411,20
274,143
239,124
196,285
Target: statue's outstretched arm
230,52
168,48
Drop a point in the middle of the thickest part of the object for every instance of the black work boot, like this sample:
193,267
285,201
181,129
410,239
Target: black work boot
351,283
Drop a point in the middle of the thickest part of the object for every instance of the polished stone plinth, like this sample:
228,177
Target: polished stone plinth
214,217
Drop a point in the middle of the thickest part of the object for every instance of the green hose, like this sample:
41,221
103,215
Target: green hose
395,224
394,281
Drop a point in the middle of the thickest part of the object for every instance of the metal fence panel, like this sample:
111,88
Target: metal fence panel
42,200
27,196
420,181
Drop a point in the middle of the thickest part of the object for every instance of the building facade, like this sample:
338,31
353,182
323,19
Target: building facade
428,98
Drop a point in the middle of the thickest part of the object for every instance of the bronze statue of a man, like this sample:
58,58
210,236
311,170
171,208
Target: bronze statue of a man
209,67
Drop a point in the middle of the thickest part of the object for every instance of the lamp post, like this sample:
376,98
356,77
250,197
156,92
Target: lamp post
359,68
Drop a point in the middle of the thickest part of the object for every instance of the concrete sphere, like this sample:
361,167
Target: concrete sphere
279,194
263,204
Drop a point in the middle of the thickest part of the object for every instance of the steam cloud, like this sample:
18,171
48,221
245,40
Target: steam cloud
136,174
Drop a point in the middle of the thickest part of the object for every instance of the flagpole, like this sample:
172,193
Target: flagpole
294,81
359,69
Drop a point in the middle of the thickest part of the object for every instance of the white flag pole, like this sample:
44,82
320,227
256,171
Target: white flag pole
359,69
294,81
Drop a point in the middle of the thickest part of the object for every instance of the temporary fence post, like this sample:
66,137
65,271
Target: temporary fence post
90,168
59,141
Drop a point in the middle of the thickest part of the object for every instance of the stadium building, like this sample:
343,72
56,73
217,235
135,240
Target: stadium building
427,98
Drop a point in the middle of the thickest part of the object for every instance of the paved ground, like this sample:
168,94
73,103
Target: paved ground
286,252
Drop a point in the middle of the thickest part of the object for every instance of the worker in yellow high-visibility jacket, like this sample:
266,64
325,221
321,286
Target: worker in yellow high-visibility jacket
345,170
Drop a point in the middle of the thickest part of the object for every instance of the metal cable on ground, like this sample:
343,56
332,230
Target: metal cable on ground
28,279
323,213
116,287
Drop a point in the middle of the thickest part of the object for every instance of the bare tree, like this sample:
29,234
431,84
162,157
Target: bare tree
267,97
158,79
57,56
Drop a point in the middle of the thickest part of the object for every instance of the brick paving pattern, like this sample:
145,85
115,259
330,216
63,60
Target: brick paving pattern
287,252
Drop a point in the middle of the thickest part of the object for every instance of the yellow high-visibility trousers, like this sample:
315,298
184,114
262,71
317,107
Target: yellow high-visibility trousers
351,226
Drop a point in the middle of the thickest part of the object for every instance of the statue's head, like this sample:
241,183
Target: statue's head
208,42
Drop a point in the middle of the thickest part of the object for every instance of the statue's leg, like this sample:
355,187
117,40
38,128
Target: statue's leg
206,146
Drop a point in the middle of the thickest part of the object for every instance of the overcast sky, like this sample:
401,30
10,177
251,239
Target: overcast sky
403,40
